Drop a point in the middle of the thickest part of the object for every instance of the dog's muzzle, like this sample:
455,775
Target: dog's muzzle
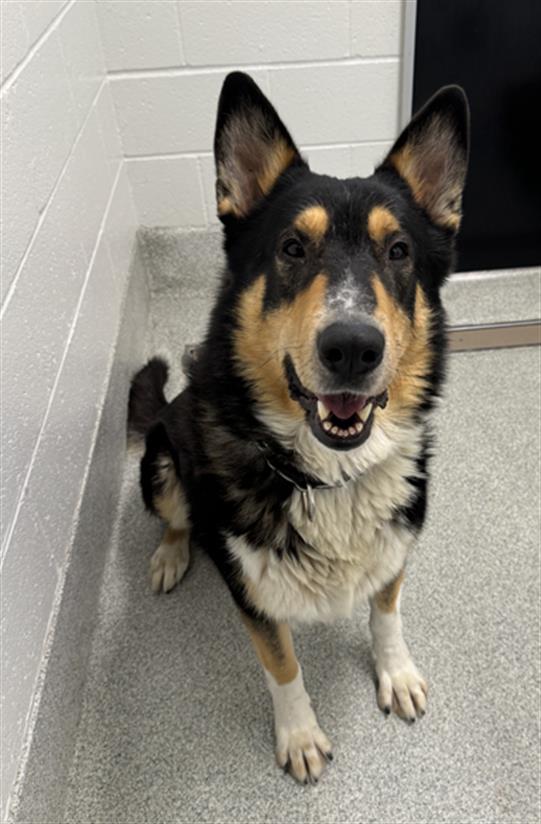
340,421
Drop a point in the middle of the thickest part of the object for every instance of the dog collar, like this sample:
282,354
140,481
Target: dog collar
305,484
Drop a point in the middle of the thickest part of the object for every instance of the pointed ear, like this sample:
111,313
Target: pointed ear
431,155
252,147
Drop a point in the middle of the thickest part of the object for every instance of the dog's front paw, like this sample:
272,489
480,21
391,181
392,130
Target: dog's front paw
401,687
168,565
303,750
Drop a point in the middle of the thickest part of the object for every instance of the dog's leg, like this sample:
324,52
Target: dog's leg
301,746
400,686
170,561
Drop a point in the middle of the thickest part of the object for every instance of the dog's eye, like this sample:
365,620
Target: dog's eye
292,248
398,251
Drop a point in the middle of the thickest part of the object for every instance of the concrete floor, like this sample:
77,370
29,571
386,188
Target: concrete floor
176,723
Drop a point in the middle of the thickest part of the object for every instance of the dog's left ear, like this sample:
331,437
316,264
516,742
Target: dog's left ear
252,147
431,155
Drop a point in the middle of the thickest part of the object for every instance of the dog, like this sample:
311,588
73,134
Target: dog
297,455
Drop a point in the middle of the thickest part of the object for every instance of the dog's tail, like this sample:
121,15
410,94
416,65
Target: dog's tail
146,395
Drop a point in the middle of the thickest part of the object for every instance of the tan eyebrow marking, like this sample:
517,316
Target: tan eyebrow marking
313,221
381,222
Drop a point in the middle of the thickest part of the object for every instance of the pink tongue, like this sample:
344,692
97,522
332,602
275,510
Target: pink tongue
344,405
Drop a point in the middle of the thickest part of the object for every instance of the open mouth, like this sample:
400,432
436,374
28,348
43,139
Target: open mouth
340,421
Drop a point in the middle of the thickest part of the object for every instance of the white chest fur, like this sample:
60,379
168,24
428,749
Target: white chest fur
354,546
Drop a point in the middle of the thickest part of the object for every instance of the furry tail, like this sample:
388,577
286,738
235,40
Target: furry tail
146,395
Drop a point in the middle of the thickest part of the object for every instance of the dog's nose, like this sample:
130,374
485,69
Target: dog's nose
350,349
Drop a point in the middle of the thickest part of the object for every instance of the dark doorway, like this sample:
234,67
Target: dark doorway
493,49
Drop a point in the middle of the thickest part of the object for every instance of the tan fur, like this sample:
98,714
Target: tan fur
275,163
313,221
274,648
262,340
171,504
252,164
410,384
171,536
395,322
435,176
225,206
408,345
381,222
387,599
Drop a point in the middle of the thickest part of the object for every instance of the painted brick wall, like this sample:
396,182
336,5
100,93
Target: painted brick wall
68,225
332,69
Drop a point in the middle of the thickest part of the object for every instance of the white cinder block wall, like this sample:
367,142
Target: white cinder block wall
331,68
107,122
68,225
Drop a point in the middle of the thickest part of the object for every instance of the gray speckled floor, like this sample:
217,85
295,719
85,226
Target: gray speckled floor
494,296
176,724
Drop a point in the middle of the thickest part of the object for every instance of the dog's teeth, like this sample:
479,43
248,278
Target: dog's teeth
364,414
352,430
334,430
327,425
358,427
343,433
322,410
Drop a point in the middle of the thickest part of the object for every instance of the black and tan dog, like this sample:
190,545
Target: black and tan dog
297,454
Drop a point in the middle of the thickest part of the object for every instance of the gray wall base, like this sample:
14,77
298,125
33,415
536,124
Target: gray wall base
41,784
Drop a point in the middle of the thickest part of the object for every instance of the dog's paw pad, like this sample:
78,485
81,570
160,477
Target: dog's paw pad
403,690
168,565
303,752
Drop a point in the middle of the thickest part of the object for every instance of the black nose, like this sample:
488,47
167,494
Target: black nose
350,349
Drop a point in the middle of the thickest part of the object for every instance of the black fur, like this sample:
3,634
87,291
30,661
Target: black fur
146,395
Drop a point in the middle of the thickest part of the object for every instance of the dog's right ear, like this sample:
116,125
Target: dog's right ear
252,147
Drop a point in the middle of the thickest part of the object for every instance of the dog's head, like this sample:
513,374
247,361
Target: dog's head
335,282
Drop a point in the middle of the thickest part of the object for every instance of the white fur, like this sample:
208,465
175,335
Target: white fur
397,674
348,296
386,438
169,563
299,739
354,547
346,299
